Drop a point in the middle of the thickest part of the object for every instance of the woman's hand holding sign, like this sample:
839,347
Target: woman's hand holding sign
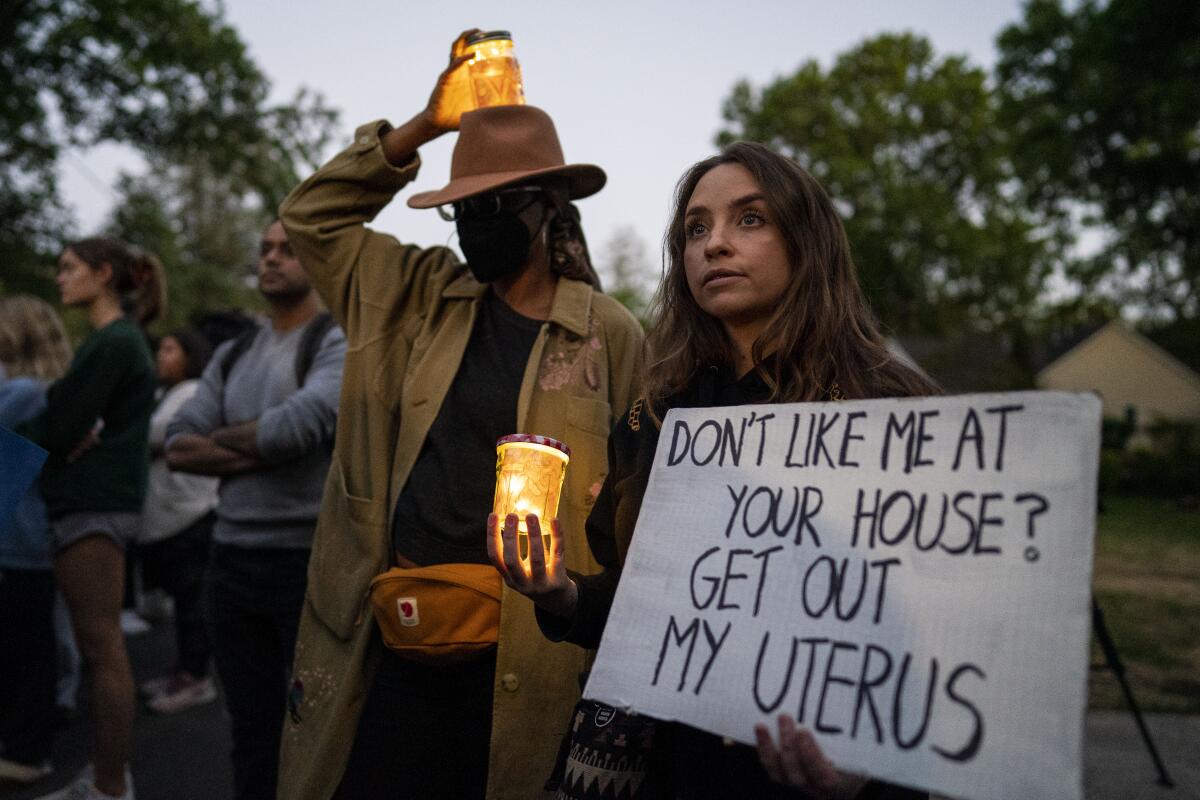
799,762
545,580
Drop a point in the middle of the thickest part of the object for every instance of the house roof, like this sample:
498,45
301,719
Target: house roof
1058,343
1151,350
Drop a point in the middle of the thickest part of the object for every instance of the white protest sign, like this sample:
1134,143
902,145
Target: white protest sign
909,579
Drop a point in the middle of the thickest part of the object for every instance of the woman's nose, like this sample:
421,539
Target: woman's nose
717,243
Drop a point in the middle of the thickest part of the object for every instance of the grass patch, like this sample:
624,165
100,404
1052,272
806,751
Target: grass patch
1147,580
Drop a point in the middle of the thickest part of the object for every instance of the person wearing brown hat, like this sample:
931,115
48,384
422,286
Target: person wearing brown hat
445,357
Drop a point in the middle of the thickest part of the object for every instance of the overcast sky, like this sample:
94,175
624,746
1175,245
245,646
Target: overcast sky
635,87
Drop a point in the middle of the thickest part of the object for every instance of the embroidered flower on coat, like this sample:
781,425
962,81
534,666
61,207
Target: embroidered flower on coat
573,361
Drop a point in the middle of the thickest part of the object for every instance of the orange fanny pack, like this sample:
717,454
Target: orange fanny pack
438,614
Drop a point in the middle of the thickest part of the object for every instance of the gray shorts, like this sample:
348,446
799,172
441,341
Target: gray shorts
122,527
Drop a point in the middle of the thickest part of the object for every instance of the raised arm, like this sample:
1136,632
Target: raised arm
325,217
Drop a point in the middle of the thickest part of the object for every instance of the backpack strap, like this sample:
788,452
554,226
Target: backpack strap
310,343
306,353
240,345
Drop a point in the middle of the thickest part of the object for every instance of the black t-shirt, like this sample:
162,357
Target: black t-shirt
441,512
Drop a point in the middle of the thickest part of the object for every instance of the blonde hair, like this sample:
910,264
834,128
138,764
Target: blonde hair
33,342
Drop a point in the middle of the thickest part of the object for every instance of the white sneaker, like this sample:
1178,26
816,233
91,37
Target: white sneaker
183,692
156,606
132,624
19,772
156,685
82,788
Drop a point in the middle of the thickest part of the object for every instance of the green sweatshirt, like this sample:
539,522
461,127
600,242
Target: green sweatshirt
111,378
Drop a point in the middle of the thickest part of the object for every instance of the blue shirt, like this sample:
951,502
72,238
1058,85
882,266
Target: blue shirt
25,538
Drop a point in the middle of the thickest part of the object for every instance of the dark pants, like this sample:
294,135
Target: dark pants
177,566
252,604
424,732
28,673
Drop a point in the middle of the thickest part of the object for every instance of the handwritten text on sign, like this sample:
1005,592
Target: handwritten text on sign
907,578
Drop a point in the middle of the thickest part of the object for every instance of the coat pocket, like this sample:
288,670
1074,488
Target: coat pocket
588,424
590,414
349,549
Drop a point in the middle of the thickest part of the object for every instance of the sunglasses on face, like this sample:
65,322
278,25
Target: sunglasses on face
482,206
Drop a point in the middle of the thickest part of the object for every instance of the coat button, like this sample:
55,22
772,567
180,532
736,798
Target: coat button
510,682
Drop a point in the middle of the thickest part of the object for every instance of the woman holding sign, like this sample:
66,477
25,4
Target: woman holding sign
760,303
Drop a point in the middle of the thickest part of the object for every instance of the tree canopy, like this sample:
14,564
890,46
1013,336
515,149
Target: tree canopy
168,77
1103,105
907,144
626,271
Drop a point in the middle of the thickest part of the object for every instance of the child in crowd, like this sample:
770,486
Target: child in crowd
177,524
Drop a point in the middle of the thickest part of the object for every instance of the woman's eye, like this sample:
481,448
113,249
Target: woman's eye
753,218
695,229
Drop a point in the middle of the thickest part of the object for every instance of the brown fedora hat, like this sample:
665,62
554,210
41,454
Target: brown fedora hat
501,145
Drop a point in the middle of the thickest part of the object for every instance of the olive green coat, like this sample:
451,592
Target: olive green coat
408,313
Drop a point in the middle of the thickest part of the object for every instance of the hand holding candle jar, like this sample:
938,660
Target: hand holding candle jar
529,478
483,72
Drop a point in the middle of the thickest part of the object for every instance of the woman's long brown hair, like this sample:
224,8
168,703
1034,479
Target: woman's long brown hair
821,333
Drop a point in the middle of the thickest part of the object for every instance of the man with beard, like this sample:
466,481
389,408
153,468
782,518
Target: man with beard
263,420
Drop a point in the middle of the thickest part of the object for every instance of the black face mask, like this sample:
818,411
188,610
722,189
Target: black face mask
495,246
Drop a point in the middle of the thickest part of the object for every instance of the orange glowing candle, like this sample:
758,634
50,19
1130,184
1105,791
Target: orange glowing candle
529,478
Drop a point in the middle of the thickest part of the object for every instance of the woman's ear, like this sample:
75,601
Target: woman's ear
104,272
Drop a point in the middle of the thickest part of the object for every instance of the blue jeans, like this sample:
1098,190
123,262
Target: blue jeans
252,603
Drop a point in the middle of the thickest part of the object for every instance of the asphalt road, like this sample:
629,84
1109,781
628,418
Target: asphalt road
186,756
180,757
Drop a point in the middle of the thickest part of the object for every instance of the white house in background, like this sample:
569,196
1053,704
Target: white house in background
1128,371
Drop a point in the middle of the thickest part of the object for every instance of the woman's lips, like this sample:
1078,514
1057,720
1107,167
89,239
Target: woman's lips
720,276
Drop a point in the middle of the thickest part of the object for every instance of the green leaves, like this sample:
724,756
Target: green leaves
168,77
1103,102
908,145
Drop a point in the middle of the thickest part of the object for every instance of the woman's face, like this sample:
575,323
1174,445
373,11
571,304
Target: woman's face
79,284
734,255
171,361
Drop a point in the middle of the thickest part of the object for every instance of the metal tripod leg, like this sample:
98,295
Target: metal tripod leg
1118,669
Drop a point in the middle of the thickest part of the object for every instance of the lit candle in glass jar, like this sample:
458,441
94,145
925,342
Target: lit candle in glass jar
495,73
529,478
